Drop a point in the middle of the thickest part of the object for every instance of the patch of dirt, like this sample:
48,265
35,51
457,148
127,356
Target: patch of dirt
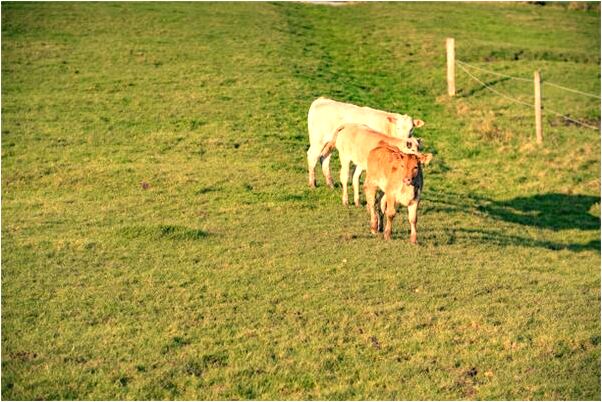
375,342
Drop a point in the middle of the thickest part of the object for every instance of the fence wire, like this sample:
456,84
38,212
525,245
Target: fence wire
461,65
495,90
571,90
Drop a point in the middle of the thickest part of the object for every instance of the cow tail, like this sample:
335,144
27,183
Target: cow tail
330,145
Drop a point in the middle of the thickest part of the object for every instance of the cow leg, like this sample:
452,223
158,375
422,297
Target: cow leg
313,154
345,179
413,219
356,185
390,214
326,171
370,191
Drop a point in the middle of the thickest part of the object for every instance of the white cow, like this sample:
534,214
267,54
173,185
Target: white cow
326,115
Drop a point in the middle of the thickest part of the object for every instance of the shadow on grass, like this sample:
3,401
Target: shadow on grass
548,211
551,211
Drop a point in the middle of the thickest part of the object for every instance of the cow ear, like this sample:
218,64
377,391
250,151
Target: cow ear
425,158
418,123
391,119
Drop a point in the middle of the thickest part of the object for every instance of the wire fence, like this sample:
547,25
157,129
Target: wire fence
465,67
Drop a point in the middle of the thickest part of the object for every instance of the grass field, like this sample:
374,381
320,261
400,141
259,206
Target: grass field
159,240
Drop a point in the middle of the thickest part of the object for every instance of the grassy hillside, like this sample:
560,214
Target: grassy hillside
159,240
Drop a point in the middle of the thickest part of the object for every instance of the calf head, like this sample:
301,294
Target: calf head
404,125
409,166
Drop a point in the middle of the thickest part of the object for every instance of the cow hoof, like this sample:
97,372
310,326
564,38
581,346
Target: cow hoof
357,204
413,241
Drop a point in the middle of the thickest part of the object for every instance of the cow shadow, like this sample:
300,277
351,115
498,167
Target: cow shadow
553,211
550,211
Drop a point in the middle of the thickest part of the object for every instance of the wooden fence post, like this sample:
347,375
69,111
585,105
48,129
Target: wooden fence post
538,125
451,66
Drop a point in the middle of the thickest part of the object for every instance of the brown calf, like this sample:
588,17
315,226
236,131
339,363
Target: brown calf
399,176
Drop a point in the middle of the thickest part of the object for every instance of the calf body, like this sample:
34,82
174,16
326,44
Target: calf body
354,142
399,176
325,115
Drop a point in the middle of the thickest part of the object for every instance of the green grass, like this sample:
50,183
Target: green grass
159,240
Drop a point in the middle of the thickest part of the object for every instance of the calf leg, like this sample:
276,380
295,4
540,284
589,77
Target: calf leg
382,201
370,191
413,219
313,154
326,171
383,207
390,214
345,179
356,185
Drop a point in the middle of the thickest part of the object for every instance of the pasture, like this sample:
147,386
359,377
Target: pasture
159,239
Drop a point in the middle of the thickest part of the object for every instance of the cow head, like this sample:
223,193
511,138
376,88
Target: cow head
412,145
404,125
